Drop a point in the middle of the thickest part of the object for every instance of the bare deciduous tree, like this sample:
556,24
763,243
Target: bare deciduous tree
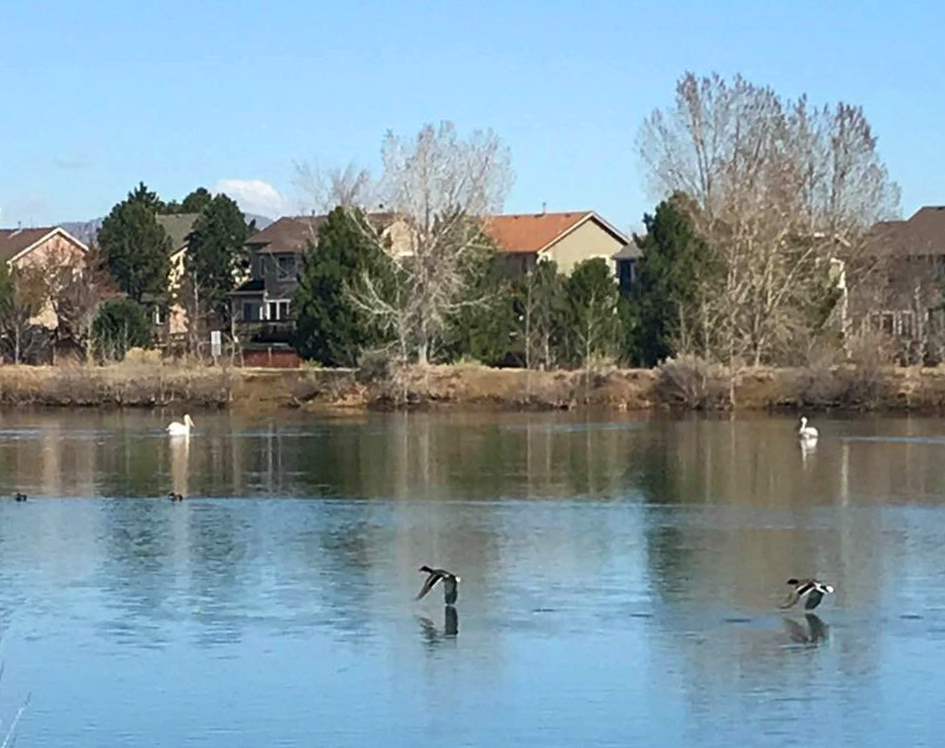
323,190
74,293
437,187
780,190
22,297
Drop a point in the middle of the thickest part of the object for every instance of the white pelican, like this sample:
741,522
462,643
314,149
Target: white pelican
176,428
808,433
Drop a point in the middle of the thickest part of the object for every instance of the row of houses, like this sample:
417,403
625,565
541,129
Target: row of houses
261,306
905,304
522,240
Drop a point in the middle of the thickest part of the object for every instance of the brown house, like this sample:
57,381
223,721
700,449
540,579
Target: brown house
275,263
905,298
264,300
566,238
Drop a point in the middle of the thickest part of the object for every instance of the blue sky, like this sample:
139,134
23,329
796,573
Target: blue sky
101,95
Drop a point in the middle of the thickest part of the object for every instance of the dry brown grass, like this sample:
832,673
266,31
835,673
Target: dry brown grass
869,385
128,383
480,386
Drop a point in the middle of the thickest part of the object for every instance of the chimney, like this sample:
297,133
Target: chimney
544,207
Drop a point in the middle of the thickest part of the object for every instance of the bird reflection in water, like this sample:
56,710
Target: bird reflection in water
432,635
180,459
814,632
808,450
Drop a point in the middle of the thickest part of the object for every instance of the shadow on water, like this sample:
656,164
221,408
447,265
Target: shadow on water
813,631
432,636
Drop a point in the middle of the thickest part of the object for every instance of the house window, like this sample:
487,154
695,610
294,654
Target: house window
277,310
907,324
285,267
252,311
627,274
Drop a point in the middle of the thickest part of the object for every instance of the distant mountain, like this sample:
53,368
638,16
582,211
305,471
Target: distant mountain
86,231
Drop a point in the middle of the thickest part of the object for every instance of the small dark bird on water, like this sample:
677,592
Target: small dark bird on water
175,496
450,584
811,591
20,496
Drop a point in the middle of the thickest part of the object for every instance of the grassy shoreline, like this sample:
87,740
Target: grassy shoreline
473,387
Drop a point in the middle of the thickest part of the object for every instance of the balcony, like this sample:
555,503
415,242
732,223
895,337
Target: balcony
267,331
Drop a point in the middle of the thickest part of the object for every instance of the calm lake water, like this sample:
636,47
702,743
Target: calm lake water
620,581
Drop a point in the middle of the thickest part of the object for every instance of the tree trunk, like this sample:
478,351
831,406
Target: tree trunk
528,327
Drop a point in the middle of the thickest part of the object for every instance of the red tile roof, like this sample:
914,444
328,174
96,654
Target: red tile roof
531,232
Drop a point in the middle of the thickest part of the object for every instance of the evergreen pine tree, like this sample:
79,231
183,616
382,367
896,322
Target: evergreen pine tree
329,328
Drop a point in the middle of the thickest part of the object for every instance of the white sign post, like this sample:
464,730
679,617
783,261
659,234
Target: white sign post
216,344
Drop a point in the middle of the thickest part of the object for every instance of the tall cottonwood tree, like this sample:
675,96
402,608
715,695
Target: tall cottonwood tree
440,186
74,293
22,296
327,189
782,188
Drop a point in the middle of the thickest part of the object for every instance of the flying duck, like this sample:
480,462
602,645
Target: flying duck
176,428
812,591
20,496
175,496
808,433
450,584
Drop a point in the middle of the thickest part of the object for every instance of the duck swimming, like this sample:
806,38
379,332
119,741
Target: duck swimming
812,591
808,433
175,496
20,496
176,428
450,584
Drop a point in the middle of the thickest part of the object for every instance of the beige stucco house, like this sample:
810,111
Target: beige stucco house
178,227
566,238
45,248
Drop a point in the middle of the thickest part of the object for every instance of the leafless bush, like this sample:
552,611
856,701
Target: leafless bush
691,381
865,380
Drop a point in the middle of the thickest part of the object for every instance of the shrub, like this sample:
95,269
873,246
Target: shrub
864,381
376,366
121,324
691,381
